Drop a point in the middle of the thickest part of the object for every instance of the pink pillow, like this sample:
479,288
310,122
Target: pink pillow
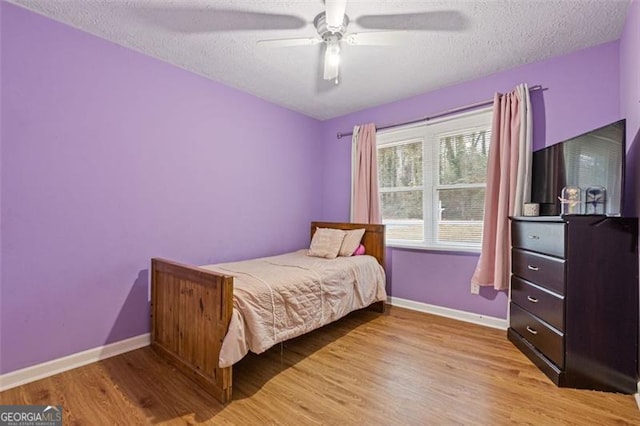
359,251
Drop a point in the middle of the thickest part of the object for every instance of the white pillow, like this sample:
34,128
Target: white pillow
351,242
326,242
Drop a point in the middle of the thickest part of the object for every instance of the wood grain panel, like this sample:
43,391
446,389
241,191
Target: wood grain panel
544,337
602,308
401,368
545,365
546,305
546,271
190,315
541,237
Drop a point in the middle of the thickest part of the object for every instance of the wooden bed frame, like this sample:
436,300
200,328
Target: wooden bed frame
191,310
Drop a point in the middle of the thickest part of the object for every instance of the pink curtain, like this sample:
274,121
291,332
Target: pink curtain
508,186
366,199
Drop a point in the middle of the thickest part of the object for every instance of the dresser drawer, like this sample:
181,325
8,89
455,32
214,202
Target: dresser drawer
541,237
547,306
544,271
545,338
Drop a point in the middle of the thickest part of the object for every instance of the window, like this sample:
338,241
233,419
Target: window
432,181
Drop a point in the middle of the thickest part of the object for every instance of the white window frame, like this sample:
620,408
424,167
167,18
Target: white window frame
428,133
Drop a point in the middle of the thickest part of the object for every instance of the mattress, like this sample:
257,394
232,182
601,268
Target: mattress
280,297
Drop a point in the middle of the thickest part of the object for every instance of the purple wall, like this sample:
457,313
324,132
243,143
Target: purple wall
583,94
630,103
110,157
630,69
1,137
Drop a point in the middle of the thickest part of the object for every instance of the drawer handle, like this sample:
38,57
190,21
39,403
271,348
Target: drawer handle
531,330
532,299
533,268
534,237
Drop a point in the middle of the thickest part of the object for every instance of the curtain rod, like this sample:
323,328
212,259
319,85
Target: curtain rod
440,114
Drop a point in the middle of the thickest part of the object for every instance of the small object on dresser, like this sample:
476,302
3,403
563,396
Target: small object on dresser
531,209
595,200
570,200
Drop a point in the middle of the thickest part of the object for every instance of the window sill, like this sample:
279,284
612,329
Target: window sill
448,249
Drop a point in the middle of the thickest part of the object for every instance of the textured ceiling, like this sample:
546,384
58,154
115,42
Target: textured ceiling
449,41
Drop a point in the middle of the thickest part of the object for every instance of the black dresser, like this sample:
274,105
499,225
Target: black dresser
574,299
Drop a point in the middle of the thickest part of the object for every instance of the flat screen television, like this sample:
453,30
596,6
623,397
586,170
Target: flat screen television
596,158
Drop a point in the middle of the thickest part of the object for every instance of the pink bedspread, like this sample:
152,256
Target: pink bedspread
281,297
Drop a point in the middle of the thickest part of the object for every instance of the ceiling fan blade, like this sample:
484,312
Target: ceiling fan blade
183,18
331,61
376,38
289,42
439,20
335,10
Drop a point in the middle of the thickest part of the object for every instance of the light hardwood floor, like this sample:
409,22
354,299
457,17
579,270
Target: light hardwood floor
399,368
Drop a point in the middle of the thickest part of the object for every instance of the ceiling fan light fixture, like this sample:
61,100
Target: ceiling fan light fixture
333,54
331,26
332,60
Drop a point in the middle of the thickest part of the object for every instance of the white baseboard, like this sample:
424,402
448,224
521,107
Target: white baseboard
49,368
479,319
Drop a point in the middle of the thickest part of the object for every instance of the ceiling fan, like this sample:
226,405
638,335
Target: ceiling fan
331,26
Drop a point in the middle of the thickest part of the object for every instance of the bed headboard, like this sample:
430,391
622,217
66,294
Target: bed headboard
373,239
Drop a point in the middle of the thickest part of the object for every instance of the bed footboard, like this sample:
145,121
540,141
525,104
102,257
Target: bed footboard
190,313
